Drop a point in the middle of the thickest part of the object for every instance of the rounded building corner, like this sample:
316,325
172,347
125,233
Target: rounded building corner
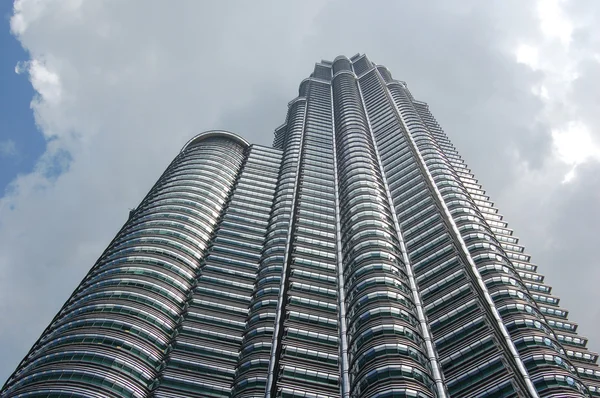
216,133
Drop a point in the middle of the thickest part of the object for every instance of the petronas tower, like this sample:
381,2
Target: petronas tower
358,257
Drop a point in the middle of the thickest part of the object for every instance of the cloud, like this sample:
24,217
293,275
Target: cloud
553,21
557,224
45,82
575,210
528,55
568,59
119,92
8,148
574,146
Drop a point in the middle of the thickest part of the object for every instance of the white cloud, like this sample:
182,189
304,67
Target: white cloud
45,82
570,175
560,65
553,21
25,12
574,144
528,55
541,91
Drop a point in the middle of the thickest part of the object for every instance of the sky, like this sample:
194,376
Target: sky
20,142
96,98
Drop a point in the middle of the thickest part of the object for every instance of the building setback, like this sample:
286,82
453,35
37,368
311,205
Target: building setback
358,257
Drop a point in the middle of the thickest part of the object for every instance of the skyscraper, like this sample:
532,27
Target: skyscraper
358,257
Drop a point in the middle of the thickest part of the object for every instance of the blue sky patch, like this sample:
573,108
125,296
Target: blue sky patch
21,143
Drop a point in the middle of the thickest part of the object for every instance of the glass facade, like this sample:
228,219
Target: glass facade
358,257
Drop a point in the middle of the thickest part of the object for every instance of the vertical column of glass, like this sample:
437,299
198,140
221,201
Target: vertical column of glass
434,169
463,339
110,338
205,352
386,349
379,115
341,286
309,357
504,292
261,345
557,317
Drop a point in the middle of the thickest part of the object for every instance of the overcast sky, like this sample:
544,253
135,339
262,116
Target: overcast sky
121,86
